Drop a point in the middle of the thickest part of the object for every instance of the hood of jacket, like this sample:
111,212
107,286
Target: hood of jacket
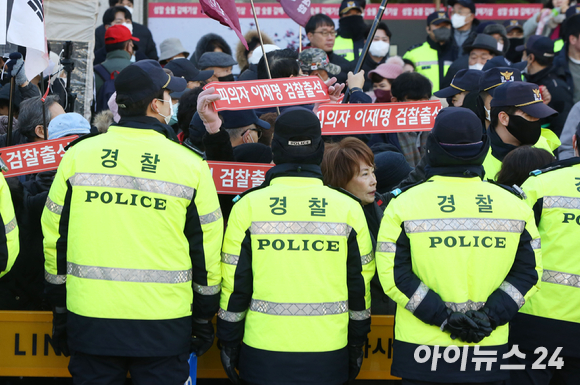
202,46
242,52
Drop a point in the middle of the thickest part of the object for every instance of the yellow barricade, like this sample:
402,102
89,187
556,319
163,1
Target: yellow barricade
26,351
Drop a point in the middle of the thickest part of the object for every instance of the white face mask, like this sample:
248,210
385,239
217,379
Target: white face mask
476,66
379,48
167,118
130,9
487,114
130,26
132,58
499,46
173,119
458,21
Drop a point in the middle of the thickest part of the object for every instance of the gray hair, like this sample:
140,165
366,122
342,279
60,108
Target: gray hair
31,114
235,133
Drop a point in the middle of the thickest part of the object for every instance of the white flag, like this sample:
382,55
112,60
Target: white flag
3,16
27,29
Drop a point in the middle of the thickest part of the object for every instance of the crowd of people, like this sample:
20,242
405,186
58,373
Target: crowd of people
502,160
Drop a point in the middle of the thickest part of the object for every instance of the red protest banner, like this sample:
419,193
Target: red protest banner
245,95
343,119
235,178
34,157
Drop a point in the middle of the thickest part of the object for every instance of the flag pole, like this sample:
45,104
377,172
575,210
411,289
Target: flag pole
262,45
10,111
365,50
300,40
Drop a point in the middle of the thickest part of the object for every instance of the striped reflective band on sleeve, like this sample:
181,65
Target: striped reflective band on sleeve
366,259
211,217
206,290
132,183
387,247
128,275
359,315
417,297
536,244
314,228
54,279
299,309
426,63
463,307
230,259
513,292
552,202
230,316
465,224
53,207
8,227
560,278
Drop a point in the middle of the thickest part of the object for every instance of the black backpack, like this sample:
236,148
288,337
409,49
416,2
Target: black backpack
106,90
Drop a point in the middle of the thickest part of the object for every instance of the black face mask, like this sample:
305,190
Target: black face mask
442,35
352,27
227,78
523,130
513,55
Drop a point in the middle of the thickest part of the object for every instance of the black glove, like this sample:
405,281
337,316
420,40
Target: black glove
482,320
202,336
492,322
59,343
230,356
461,326
355,359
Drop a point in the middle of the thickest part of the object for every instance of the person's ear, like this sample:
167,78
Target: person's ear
394,99
427,29
532,57
504,118
39,131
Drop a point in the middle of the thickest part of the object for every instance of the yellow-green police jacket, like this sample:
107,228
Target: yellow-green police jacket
133,226
297,263
551,318
427,63
492,165
9,243
455,243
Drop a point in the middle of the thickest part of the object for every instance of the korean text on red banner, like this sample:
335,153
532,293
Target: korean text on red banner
246,95
342,119
235,178
34,157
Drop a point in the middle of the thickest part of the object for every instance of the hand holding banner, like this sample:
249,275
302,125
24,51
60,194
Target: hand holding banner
246,95
349,119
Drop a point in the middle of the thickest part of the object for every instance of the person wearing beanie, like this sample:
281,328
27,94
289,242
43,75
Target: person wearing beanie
499,33
144,228
459,256
551,318
297,264
382,77
67,124
516,117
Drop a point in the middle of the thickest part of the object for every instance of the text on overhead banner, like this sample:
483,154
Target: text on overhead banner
246,95
343,119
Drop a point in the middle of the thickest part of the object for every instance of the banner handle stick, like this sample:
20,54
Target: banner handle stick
10,112
365,50
300,40
262,45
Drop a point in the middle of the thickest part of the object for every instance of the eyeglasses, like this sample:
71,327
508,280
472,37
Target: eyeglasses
326,33
258,132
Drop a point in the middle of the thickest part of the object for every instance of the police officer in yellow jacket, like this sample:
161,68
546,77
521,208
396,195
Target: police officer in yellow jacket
460,256
550,320
9,243
434,57
517,110
297,263
133,230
